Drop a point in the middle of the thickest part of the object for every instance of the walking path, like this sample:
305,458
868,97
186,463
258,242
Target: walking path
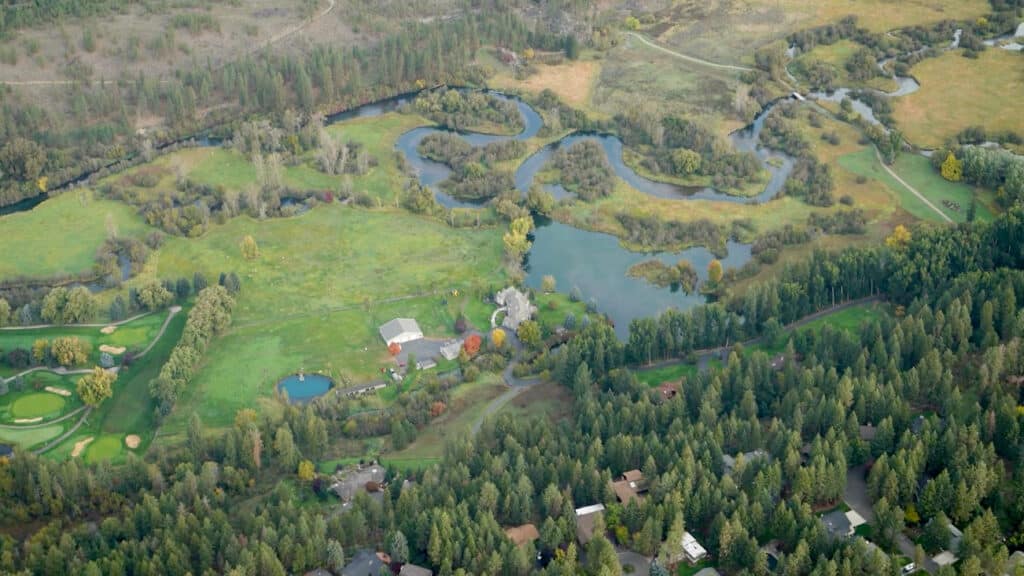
911,188
688,58
56,441
92,325
43,424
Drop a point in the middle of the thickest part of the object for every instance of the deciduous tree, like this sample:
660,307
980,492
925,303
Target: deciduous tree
97,386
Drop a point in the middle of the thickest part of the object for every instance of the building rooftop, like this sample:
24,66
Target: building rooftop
630,486
837,523
522,534
414,570
400,327
364,563
692,548
944,558
586,518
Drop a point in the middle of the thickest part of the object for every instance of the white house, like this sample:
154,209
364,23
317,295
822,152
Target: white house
692,549
400,330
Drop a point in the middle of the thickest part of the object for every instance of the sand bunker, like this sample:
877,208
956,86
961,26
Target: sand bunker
108,329
58,391
80,447
29,420
115,350
132,441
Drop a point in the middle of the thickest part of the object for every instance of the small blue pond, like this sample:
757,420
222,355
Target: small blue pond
307,388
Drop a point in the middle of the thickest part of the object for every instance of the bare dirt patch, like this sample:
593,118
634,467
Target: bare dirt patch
112,349
58,391
108,330
572,81
132,441
80,447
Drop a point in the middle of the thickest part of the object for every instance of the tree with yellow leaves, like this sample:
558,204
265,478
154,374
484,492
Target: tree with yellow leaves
250,250
715,272
952,169
306,471
899,238
498,337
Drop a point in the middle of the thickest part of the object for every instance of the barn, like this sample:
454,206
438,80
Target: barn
400,331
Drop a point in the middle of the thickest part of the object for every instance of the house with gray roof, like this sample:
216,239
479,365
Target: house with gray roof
364,563
400,331
517,307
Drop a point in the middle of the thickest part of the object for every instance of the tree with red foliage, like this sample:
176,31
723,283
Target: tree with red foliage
328,197
436,409
394,348
472,344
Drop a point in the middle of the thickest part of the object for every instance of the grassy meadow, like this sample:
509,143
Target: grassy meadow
957,93
35,243
323,283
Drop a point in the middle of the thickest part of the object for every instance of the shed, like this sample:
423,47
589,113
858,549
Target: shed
450,349
400,331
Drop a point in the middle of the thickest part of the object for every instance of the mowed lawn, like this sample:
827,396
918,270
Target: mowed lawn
917,171
323,283
135,335
61,235
958,92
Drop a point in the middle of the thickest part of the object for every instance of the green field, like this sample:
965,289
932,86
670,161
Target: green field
919,174
135,335
28,438
37,404
675,372
130,410
35,243
104,448
323,284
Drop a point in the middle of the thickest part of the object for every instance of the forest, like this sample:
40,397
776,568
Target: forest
951,354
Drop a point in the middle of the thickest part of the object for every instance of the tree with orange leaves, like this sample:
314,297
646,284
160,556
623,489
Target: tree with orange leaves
472,344
394,348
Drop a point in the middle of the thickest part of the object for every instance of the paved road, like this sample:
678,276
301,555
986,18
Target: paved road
911,188
689,58
856,496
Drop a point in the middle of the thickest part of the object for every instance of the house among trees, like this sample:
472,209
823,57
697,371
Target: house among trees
729,462
692,551
349,482
949,556
517,307
586,521
842,524
630,486
400,331
366,563
668,391
414,570
521,535
450,349
6,452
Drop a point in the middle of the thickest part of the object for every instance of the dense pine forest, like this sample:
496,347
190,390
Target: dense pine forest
939,382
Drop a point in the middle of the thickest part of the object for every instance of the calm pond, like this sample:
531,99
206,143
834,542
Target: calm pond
597,264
